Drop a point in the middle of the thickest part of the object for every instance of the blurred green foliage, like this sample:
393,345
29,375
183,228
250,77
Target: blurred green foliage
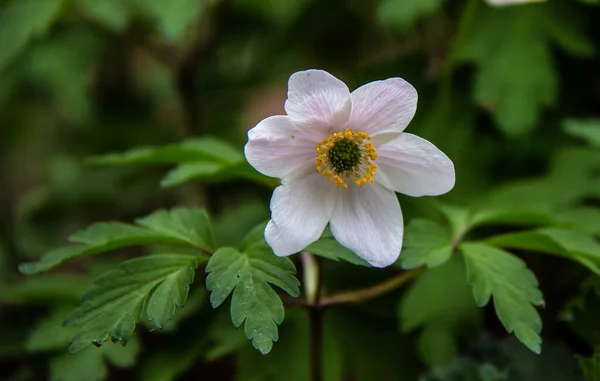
113,109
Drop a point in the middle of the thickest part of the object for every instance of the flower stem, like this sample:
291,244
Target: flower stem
312,288
371,292
315,315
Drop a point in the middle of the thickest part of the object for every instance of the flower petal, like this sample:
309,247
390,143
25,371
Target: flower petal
383,106
300,210
411,165
368,221
317,101
277,148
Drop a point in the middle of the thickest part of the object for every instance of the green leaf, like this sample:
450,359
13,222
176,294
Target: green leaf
582,219
425,243
49,334
170,365
214,171
87,365
225,338
179,226
438,297
197,159
402,14
328,247
497,273
439,301
64,65
574,245
590,367
113,14
153,285
288,359
46,289
517,97
190,225
463,369
232,225
513,217
254,302
570,179
90,363
191,150
276,12
437,345
589,130
174,17
555,364
22,21
191,171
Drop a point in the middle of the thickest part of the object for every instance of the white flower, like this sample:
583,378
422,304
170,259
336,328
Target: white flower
341,156
502,3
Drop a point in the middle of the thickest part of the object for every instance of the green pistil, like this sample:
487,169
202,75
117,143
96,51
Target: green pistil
344,155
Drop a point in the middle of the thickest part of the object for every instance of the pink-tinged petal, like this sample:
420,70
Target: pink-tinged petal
277,148
411,165
282,242
502,3
317,102
368,221
383,106
300,210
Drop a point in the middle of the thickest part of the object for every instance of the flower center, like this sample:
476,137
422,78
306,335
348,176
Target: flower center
347,156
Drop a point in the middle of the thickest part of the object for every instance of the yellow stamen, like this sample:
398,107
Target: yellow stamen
353,159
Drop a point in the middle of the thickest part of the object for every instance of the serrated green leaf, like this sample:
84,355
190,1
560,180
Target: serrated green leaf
194,302
517,97
589,130
402,14
115,304
497,273
20,22
571,244
425,243
254,302
171,293
328,247
190,225
178,226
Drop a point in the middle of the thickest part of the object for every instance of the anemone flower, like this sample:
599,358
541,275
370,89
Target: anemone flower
341,157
